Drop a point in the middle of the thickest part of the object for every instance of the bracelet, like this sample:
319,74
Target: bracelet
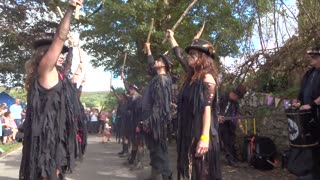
205,138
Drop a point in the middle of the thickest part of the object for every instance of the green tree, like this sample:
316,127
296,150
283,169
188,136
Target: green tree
116,26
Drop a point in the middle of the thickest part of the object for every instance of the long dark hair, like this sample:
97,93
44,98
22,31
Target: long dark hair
31,65
204,65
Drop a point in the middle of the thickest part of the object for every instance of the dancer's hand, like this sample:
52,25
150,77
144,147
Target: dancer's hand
122,75
169,34
76,2
202,148
137,130
147,45
305,107
71,41
317,101
221,119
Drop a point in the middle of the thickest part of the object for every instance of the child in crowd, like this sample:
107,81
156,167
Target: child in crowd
107,131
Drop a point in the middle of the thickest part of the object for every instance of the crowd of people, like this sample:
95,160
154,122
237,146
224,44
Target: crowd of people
11,119
56,124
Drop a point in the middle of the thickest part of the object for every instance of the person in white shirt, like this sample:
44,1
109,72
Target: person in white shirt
16,111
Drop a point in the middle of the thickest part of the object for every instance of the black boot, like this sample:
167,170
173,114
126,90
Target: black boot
138,163
121,152
164,177
132,156
125,151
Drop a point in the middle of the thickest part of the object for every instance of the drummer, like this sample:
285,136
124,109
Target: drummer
309,98
229,107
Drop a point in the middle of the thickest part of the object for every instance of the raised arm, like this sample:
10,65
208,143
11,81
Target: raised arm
150,59
49,60
125,82
68,63
177,50
77,74
115,93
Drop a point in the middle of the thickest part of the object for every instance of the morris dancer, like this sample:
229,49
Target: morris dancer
50,142
156,115
197,142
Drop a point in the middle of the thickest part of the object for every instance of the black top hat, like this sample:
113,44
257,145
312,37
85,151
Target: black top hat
240,91
203,46
46,39
133,86
314,50
167,61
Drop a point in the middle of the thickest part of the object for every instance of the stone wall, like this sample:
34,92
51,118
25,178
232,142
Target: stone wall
270,119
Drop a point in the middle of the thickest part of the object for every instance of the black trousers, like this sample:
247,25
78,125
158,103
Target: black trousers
228,137
159,159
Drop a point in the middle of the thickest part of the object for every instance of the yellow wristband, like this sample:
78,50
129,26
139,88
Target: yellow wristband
205,138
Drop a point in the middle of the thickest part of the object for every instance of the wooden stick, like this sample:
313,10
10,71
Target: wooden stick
59,11
198,35
238,117
124,62
150,30
77,12
149,34
181,18
111,79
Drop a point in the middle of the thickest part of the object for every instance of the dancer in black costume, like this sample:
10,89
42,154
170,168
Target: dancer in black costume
134,120
156,114
50,144
197,142
78,109
121,120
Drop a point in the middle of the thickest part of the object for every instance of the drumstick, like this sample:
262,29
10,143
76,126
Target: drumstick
181,17
77,12
124,62
149,34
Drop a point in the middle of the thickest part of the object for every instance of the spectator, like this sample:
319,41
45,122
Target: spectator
94,124
16,111
103,115
107,133
23,113
10,127
2,111
114,119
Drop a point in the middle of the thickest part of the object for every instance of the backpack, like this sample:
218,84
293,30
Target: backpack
263,152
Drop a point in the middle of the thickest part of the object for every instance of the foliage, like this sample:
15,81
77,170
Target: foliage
100,99
10,147
114,27
18,93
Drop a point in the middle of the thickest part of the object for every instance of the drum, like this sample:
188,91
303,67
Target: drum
302,128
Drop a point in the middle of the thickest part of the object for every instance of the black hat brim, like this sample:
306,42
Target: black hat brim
46,42
202,49
166,61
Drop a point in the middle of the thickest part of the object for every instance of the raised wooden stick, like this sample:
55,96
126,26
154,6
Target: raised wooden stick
59,11
181,18
77,12
198,35
149,34
124,62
